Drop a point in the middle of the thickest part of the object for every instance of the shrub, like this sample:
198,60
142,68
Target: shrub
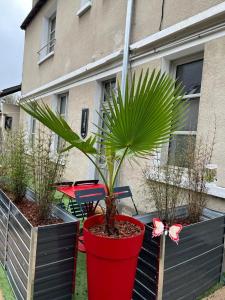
47,167
170,186
14,167
163,185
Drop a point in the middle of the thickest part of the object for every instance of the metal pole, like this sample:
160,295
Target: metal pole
126,45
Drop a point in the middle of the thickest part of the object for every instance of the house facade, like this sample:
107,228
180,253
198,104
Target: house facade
9,110
76,50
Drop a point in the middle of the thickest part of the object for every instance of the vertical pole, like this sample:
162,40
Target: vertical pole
32,263
126,48
161,266
6,237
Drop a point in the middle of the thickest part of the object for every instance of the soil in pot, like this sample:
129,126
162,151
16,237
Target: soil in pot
124,229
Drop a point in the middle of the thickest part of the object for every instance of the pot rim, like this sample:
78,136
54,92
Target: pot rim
137,222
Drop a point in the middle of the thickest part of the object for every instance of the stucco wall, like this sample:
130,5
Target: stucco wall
212,103
100,31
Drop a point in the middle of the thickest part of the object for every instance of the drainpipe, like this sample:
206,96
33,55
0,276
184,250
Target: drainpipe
126,45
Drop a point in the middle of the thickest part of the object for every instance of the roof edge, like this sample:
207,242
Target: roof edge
36,8
10,90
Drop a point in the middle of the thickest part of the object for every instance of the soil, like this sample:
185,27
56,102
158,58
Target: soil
124,229
31,212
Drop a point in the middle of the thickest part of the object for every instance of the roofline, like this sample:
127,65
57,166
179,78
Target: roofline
10,90
34,11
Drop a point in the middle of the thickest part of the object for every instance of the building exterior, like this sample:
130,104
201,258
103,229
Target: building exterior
9,110
76,49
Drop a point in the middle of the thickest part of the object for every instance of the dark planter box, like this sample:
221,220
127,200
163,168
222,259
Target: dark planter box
170,272
39,261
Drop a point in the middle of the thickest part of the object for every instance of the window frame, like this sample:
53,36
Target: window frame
33,124
172,71
99,161
51,41
64,115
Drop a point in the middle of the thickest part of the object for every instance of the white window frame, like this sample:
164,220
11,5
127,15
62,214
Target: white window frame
172,71
33,124
85,5
58,106
100,121
51,41
47,49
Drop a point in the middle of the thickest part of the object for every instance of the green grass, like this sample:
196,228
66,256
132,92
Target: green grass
4,286
81,278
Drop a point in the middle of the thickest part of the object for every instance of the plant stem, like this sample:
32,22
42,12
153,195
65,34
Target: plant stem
119,166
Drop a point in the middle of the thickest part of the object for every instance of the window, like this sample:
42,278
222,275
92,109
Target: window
107,87
32,130
188,73
84,6
47,38
61,109
51,34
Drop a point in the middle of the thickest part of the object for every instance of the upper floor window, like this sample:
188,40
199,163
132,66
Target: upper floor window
51,33
84,6
47,38
189,74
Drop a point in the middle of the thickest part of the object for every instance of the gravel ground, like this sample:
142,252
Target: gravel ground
218,295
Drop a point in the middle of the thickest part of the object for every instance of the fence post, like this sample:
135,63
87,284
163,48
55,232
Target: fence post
161,266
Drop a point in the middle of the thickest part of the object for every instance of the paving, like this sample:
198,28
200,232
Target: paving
218,295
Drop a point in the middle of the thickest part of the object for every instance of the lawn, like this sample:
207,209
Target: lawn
81,280
5,287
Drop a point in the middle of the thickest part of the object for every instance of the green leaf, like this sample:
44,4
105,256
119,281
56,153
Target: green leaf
56,123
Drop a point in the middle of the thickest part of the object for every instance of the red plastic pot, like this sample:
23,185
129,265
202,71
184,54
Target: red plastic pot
111,263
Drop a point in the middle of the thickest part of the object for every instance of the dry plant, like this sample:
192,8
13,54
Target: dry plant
163,182
14,167
197,171
47,167
168,184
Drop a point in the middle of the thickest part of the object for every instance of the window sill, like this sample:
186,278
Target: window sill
212,188
84,8
46,57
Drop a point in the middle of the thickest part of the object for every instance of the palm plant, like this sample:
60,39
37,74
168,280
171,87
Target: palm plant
134,126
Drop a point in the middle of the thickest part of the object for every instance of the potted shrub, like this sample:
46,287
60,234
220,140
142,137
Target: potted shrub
37,241
185,271
134,126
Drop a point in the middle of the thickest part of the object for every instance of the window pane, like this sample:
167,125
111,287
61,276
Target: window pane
181,148
190,75
107,88
62,105
52,24
191,122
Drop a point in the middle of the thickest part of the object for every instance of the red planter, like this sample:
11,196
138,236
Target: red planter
111,263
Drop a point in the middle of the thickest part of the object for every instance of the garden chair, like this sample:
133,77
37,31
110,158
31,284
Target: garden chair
125,192
67,188
88,200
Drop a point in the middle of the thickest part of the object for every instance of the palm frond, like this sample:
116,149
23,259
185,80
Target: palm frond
150,112
43,113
